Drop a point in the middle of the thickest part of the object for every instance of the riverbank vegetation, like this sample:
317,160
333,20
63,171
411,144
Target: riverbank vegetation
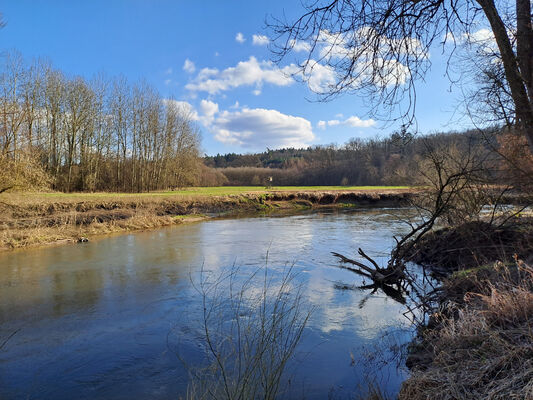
28,219
477,343
61,134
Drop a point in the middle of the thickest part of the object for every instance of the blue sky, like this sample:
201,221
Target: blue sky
203,53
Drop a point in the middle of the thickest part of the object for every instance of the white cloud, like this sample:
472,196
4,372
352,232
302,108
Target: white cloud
299,46
356,122
189,66
374,64
354,44
260,128
245,73
185,107
353,122
168,71
260,40
168,81
320,78
481,35
240,38
482,40
208,110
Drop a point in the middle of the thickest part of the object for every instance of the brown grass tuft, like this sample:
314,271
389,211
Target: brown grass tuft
483,349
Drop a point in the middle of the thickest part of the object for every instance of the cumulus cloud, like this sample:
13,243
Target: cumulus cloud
246,127
481,35
482,40
189,66
353,122
356,122
260,128
300,45
240,38
320,78
255,127
374,64
260,40
246,73
208,109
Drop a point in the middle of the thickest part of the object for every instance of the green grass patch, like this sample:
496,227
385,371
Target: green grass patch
466,273
225,191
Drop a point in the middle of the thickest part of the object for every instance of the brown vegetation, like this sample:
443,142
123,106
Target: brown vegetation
27,220
517,161
494,156
477,344
474,243
481,345
87,135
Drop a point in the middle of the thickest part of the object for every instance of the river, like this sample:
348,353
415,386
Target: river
112,318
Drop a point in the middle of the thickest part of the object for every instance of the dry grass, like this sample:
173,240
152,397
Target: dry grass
70,231
29,219
474,243
483,346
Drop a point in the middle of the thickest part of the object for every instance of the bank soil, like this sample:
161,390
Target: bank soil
30,220
478,341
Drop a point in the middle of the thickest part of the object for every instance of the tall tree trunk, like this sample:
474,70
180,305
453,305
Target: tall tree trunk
517,68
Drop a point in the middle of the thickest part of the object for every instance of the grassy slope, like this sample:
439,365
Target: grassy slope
29,219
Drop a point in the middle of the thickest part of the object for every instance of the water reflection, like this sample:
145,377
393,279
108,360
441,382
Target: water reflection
95,319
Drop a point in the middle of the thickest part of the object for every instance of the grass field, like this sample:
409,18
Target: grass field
194,192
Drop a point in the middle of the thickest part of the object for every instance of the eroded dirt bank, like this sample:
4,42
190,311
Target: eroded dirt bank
478,340
29,222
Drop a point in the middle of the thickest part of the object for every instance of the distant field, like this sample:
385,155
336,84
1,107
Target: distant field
214,191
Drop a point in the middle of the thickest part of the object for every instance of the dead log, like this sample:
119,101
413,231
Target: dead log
381,276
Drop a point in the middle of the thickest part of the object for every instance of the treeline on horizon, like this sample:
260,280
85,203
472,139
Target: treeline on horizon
393,160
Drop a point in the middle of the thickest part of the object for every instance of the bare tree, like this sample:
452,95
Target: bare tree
91,135
12,109
381,47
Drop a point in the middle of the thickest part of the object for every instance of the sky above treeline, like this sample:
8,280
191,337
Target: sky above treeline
213,56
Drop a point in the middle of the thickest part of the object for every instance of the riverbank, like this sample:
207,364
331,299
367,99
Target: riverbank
478,340
38,219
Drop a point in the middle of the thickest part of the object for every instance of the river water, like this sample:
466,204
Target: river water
111,319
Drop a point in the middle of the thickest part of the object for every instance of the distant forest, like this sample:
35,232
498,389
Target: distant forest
393,160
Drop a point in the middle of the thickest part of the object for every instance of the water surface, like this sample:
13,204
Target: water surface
102,320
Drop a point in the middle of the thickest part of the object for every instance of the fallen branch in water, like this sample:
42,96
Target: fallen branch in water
383,276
